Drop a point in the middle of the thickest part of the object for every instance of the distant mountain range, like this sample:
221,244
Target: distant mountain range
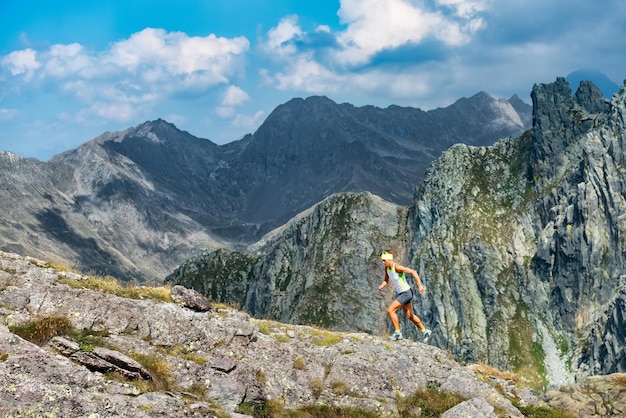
137,203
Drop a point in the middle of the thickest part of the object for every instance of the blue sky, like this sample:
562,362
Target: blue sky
71,70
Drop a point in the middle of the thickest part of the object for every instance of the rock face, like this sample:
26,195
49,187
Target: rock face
136,204
520,246
322,268
209,363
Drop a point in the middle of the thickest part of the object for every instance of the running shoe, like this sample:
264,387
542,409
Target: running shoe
397,335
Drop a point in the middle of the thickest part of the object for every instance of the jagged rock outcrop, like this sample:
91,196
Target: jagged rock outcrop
520,247
322,268
522,243
136,204
208,363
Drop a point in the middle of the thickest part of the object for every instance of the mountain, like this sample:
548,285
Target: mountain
607,86
74,346
520,246
137,203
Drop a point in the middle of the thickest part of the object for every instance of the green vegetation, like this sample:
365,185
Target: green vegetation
432,402
274,409
299,364
181,351
112,286
41,329
87,339
265,327
4,356
540,412
162,380
526,356
282,338
317,386
325,338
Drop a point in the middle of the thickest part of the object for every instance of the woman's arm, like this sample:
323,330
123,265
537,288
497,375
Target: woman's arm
413,273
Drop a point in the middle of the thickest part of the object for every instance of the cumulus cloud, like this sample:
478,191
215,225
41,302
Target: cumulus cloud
22,63
248,121
8,114
281,40
232,97
137,72
372,28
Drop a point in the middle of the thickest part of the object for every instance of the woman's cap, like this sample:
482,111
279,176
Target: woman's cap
386,256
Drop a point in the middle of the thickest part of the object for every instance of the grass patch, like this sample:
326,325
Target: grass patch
111,285
432,402
4,356
540,412
339,388
265,327
40,330
325,338
526,356
299,364
485,372
162,380
198,391
87,339
282,338
182,352
317,387
274,409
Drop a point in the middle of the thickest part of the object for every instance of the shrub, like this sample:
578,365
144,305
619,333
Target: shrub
298,364
87,339
162,380
40,330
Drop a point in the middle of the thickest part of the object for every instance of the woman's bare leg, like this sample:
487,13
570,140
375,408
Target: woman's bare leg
391,311
408,311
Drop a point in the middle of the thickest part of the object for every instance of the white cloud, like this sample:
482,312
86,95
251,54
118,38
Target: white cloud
280,39
135,73
121,111
371,28
8,114
306,74
63,61
22,63
248,121
466,9
176,54
377,25
232,97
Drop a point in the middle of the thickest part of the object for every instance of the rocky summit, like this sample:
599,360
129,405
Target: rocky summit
81,346
520,247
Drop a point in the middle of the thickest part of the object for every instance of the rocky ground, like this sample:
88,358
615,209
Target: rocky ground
102,351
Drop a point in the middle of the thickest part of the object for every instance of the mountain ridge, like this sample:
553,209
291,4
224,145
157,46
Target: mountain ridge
137,203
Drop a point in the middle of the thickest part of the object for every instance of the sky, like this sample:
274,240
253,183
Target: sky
72,70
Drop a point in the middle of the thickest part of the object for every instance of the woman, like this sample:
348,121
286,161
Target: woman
397,274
